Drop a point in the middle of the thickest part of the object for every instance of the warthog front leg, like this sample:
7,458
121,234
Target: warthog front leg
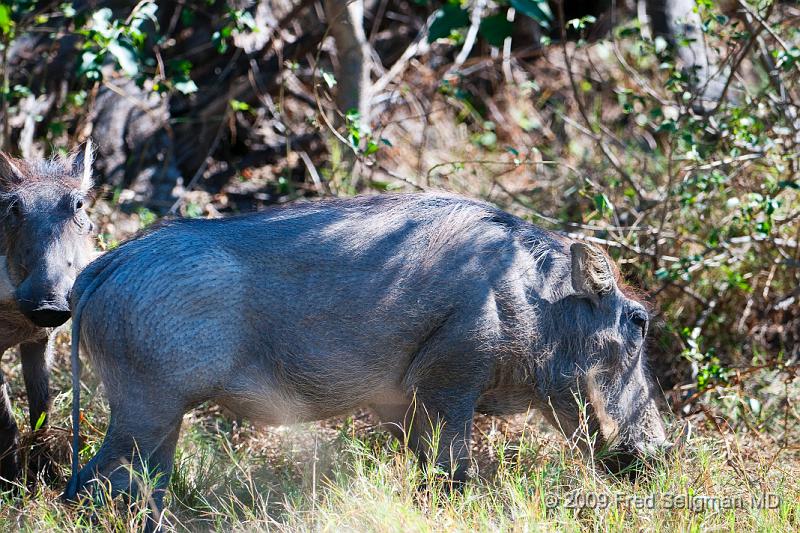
444,382
9,438
437,428
441,430
36,358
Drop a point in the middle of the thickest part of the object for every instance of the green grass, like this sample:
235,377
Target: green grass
348,475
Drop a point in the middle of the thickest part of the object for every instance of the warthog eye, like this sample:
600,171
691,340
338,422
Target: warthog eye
639,318
78,203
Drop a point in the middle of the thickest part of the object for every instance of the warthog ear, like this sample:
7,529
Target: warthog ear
9,172
592,273
81,161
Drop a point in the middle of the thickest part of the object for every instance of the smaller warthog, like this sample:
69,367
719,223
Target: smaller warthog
423,308
46,238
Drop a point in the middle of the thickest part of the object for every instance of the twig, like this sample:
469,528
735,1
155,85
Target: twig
318,100
397,176
472,34
376,21
418,46
4,94
612,158
765,25
735,67
507,73
723,162
740,374
312,171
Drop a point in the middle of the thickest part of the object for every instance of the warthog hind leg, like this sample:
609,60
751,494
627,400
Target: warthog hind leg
135,459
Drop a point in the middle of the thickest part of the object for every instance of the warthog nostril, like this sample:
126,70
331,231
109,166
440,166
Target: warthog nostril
48,313
49,317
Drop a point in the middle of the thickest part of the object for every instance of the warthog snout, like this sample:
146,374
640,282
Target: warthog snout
48,315
632,461
49,311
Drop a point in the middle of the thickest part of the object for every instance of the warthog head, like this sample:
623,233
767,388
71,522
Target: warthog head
594,372
45,232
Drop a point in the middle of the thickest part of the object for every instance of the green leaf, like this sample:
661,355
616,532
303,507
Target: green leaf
5,19
193,210
181,65
329,78
90,65
487,139
755,405
581,23
219,42
68,10
40,422
237,105
125,56
667,125
448,18
187,16
146,217
352,116
187,86
145,11
602,204
379,185
496,29
538,10
371,148
101,23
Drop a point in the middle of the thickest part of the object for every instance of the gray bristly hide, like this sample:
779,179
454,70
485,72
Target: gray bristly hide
425,308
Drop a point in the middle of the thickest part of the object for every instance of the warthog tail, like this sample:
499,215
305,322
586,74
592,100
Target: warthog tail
75,361
71,491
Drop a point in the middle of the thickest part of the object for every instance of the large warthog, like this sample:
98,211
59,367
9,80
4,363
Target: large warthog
424,308
46,238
